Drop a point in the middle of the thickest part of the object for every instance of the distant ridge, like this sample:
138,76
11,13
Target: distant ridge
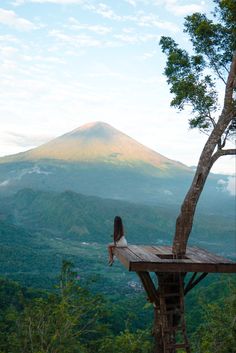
96,142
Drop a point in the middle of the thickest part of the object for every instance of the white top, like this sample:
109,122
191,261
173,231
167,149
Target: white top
122,243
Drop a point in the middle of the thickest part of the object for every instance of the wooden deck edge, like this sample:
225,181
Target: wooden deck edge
183,267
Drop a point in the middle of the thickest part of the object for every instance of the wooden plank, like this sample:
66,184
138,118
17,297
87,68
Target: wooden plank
160,249
126,256
151,249
167,249
214,258
199,256
144,254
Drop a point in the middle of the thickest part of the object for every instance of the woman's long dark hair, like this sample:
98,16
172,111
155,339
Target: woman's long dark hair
118,229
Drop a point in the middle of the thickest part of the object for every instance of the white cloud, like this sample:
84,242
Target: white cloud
127,38
168,192
231,186
4,183
23,140
228,185
59,2
152,20
11,19
98,29
103,10
79,40
8,51
8,38
132,2
136,38
176,8
148,55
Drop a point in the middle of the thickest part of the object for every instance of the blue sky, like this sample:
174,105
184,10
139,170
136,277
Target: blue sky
64,63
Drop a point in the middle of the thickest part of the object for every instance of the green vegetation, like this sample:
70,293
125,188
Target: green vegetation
39,229
216,331
71,319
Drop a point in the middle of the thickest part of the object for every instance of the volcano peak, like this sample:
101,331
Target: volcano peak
97,142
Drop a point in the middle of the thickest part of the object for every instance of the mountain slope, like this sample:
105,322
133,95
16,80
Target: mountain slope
97,159
96,142
39,229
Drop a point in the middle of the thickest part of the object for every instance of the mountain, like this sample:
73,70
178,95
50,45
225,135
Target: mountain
97,142
97,159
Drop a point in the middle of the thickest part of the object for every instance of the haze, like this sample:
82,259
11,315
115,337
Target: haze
65,63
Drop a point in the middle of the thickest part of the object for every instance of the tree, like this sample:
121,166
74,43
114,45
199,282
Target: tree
193,81
61,322
217,331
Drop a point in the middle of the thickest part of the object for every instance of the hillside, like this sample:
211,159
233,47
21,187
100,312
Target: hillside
39,229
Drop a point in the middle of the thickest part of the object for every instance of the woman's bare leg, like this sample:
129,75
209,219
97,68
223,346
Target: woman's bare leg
110,252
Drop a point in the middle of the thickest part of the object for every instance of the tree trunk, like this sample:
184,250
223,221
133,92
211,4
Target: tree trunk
158,341
184,221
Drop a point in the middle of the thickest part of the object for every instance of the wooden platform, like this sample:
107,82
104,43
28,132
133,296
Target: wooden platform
160,259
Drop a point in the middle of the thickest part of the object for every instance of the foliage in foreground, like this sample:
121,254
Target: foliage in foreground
217,331
74,320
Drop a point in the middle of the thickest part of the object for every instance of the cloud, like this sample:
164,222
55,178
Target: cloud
228,185
8,51
168,192
136,38
11,19
58,2
231,186
24,140
154,21
5,183
98,29
148,55
177,9
19,176
132,2
78,40
103,10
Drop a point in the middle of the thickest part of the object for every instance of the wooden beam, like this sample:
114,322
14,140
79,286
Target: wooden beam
181,266
149,287
192,283
191,280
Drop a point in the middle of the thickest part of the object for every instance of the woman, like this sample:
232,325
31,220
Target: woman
119,238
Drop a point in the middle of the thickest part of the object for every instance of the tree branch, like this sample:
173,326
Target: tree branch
217,71
221,153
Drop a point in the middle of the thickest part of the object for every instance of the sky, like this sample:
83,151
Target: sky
65,63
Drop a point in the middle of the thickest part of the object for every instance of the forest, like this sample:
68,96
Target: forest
72,318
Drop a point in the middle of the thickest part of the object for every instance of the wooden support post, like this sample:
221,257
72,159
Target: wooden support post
191,284
149,287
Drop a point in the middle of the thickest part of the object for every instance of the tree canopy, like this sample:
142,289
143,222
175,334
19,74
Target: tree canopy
195,80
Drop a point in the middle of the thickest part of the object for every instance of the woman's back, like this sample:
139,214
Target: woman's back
122,242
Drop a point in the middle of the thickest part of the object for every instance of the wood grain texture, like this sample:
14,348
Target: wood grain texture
145,258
